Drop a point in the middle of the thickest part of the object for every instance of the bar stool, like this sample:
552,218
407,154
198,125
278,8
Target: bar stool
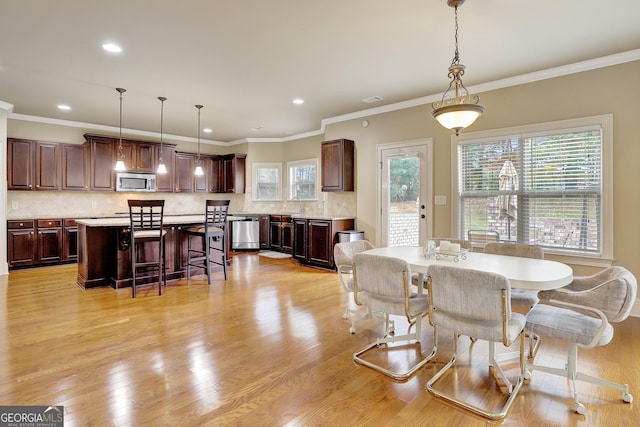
212,231
146,227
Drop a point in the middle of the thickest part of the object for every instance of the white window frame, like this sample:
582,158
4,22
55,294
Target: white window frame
605,258
298,163
256,175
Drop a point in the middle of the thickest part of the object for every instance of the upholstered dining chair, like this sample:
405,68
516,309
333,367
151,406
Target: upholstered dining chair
343,257
582,314
464,244
520,298
383,284
476,304
212,235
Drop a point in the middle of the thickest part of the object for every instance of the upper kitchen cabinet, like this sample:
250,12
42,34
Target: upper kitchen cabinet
138,156
20,164
33,165
164,181
337,165
215,176
103,160
233,173
75,167
47,166
185,165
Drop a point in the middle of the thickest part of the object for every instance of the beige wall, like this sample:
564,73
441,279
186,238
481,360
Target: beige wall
614,90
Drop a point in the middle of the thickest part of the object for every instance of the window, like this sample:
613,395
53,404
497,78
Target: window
303,179
266,181
543,184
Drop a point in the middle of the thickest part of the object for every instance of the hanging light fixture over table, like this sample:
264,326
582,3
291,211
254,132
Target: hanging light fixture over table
120,166
460,110
198,171
161,167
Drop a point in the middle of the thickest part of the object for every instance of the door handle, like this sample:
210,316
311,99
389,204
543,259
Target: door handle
423,216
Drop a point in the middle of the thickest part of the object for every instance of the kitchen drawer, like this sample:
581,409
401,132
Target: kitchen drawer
19,224
46,223
70,223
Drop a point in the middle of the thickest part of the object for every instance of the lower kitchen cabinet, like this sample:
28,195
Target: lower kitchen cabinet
49,241
69,240
265,227
300,241
21,243
314,240
38,242
281,233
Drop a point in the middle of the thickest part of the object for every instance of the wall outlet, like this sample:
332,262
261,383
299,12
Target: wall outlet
440,200
15,205
94,205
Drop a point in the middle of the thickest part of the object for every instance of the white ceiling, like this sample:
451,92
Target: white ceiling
246,60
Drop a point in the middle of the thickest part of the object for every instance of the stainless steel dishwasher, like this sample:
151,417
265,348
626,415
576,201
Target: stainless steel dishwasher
245,232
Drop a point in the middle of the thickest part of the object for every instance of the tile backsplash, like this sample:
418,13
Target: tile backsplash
66,204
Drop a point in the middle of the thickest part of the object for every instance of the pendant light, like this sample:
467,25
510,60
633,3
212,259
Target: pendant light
161,167
120,163
198,171
461,110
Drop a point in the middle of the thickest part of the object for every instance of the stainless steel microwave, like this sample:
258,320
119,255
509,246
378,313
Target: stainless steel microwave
129,181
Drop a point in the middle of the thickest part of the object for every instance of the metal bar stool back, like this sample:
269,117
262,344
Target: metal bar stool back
147,234
213,239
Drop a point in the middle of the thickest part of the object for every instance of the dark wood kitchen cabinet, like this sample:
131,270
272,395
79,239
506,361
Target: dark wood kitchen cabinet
185,165
39,242
233,173
185,179
21,244
265,224
164,181
20,164
300,240
138,156
321,235
337,164
33,165
281,233
103,159
75,167
201,183
47,170
49,241
69,240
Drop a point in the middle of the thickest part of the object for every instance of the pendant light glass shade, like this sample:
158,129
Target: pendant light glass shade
457,109
198,171
162,169
120,166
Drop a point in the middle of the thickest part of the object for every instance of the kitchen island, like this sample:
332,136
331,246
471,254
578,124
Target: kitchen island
104,257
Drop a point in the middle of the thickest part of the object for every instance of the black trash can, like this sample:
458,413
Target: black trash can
350,236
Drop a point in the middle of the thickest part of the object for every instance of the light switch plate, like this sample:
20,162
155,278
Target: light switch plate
440,200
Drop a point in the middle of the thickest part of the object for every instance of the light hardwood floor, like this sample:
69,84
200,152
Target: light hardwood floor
268,347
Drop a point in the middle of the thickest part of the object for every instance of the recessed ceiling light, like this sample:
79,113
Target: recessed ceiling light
207,130
64,107
256,128
112,47
298,101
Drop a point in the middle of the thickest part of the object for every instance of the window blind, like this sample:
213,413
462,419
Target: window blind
542,188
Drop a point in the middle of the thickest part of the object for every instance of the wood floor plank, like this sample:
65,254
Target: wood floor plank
267,347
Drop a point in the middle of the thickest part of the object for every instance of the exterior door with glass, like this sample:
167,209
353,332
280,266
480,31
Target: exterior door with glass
405,193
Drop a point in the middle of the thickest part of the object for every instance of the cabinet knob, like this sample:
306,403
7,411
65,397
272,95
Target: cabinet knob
21,224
